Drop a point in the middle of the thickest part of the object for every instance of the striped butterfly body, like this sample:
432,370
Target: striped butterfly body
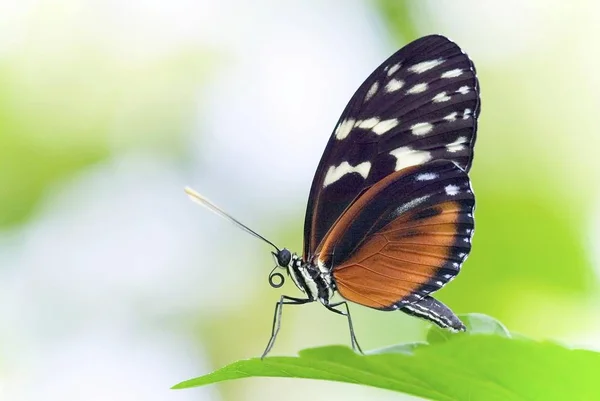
389,219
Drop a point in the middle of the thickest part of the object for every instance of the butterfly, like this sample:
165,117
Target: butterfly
389,219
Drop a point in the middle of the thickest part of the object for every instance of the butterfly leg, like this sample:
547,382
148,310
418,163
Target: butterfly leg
433,310
353,339
284,300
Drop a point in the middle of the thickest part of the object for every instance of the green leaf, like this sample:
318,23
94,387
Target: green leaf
469,366
407,349
476,323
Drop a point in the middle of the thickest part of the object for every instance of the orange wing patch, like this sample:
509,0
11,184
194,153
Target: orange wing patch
406,254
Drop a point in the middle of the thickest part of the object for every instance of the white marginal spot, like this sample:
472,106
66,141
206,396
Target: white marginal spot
409,205
344,128
451,190
452,73
441,97
384,126
406,156
393,69
451,116
372,91
368,123
463,90
427,176
418,88
466,114
457,145
447,276
420,129
423,66
439,282
394,85
336,172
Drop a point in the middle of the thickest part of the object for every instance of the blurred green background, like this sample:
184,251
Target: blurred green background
113,286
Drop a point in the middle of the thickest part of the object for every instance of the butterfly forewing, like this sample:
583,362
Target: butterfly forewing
403,238
418,106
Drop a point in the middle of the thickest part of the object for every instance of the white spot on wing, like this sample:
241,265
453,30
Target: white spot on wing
394,85
409,205
427,176
368,123
418,88
463,90
441,97
372,91
452,73
336,172
451,116
406,156
344,128
384,126
393,69
420,129
457,145
466,114
423,66
451,190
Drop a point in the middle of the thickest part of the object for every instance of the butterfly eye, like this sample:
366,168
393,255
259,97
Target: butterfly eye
284,257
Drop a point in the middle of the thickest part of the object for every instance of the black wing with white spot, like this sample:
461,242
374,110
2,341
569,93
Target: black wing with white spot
420,105
403,238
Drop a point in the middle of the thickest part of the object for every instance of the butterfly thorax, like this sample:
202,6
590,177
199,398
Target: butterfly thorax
312,280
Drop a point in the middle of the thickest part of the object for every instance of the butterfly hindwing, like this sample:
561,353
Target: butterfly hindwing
403,238
418,106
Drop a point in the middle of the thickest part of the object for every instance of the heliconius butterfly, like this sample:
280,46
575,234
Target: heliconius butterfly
389,219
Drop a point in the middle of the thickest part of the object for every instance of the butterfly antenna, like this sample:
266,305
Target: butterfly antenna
196,197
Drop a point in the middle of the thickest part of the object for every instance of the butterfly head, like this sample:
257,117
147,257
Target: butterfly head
285,260
284,257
